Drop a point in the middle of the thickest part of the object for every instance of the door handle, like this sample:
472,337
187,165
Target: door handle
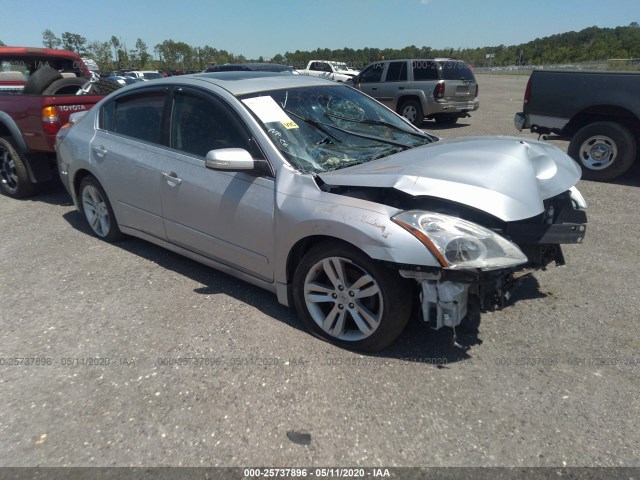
100,150
172,178
375,88
400,88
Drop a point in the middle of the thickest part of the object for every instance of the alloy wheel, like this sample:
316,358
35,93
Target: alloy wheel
96,211
343,299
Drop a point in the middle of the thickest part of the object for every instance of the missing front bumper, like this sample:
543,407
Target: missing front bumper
446,302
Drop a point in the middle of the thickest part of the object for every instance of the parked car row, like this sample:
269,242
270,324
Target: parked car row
308,187
442,89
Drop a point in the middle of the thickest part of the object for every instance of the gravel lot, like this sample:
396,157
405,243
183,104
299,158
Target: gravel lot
552,380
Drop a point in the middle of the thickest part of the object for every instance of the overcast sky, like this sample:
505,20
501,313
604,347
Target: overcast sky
256,28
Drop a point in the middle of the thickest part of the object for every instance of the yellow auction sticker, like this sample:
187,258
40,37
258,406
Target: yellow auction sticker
289,124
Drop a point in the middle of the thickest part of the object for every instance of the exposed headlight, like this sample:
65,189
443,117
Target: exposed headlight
459,244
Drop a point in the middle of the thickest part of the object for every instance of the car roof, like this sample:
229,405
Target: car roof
430,59
239,83
250,66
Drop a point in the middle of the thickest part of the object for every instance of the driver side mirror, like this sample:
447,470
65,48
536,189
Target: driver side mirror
229,159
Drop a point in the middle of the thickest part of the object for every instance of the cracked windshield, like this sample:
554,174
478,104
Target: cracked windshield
319,129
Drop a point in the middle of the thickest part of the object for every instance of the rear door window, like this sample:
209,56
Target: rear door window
138,116
397,72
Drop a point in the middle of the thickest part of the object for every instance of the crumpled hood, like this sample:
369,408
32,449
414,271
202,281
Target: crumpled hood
507,177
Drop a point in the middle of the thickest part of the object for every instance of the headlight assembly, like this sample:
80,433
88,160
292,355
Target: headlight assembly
459,244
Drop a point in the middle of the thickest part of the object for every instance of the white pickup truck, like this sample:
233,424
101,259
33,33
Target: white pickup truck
337,71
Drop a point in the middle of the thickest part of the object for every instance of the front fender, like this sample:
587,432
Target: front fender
364,224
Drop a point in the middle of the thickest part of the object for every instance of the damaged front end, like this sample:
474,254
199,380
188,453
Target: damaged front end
488,210
481,266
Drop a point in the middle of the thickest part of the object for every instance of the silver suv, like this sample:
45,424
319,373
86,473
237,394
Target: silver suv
442,89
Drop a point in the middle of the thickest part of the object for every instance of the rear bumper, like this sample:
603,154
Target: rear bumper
468,106
541,124
520,121
434,108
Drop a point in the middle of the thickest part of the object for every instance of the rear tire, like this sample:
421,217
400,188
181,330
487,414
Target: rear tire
14,176
65,86
412,111
604,150
97,211
41,79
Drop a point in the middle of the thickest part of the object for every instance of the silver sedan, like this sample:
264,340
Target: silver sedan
320,194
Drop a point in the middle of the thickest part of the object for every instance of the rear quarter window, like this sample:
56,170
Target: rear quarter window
456,71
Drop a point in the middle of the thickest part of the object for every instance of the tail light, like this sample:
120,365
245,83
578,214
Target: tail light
527,92
50,120
438,92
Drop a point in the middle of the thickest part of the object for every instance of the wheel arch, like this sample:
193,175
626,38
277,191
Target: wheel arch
80,175
8,128
302,246
405,98
603,113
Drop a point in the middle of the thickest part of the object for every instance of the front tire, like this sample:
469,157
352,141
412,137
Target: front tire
14,176
97,210
604,150
412,111
348,299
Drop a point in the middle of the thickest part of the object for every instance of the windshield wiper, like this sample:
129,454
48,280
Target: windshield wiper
368,121
323,128
318,125
375,138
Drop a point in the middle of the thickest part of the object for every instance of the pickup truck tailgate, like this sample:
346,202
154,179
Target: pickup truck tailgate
39,118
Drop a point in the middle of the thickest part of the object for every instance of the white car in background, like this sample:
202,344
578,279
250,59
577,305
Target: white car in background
145,74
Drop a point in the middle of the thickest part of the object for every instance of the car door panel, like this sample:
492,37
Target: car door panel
370,80
393,84
124,162
127,150
225,216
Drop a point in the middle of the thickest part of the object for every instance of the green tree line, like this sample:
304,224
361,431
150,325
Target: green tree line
590,44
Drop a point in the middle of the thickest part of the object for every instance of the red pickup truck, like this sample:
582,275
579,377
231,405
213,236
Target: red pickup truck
38,89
